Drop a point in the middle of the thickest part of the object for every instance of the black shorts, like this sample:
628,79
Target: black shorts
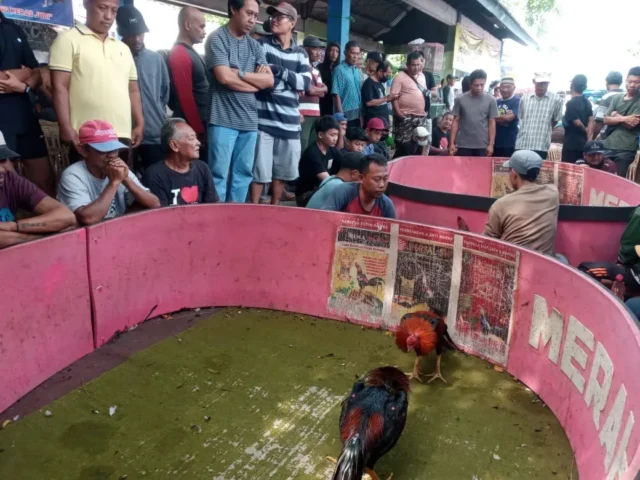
28,145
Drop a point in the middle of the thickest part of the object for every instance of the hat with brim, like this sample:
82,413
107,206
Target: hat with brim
523,161
284,9
594,146
109,146
130,21
542,78
313,42
6,152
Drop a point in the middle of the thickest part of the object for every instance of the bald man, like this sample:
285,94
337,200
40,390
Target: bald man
189,83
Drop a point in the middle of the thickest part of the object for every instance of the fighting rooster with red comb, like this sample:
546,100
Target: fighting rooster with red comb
422,332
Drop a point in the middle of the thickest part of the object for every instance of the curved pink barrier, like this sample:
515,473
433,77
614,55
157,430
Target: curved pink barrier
579,237
558,331
45,314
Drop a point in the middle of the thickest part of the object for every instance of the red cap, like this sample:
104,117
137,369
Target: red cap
99,135
375,124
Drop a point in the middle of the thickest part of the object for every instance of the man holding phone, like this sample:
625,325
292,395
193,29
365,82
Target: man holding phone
623,124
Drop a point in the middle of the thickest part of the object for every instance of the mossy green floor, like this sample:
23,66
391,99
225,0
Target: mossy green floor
253,395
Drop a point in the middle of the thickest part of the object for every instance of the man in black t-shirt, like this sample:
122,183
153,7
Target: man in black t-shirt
377,104
19,74
577,121
181,179
318,159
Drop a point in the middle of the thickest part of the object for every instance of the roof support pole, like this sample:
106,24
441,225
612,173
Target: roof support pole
338,21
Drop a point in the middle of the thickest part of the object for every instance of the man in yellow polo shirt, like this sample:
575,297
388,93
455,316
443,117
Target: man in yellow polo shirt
94,77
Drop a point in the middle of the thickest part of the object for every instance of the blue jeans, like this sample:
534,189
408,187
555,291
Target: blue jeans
231,157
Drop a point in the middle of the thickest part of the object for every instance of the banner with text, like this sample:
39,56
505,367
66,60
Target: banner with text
51,12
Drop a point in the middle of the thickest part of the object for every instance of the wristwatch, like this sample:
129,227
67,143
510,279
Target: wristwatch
27,88
241,74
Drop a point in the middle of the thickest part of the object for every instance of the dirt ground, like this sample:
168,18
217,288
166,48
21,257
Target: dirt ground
250,394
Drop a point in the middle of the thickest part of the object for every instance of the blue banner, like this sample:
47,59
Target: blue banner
52,12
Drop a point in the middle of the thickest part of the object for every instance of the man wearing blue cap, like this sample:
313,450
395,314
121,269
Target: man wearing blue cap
529,216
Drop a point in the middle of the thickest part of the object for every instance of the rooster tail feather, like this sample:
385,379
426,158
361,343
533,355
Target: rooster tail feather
351,462
450,342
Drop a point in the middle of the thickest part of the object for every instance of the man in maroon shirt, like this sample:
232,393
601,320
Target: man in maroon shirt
367,196
189,84
18,192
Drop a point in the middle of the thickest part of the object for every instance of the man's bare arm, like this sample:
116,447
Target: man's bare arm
337,102
51,217
60,82
7,239
230,79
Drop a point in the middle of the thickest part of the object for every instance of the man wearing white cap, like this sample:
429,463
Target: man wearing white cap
540,111
418,144
529,216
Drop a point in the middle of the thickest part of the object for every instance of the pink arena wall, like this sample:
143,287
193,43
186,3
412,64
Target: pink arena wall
45,314
578,240
570,340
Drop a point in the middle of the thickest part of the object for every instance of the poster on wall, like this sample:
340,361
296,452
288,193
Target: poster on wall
361,270
423,271
50,12
484,308
568,178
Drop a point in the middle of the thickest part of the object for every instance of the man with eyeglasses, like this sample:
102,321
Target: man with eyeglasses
278,148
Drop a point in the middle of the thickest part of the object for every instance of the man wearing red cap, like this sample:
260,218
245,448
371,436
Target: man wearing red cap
375,130
102,186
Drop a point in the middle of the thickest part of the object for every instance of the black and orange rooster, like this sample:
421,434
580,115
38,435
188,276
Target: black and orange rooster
372,420
421,332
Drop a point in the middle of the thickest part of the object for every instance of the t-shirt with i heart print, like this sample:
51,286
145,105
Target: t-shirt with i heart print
175,188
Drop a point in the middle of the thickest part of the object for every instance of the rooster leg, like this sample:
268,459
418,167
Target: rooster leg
372,474
437,373
332,460
416,371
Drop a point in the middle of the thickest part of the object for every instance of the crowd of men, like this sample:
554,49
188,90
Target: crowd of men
260,111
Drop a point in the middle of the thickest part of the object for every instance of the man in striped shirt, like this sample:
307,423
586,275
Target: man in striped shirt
278,148
310,100
540,111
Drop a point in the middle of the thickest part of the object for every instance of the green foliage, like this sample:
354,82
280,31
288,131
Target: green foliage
535,10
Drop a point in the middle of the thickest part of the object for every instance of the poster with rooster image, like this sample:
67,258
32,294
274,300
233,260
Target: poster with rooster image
568,178
484,299
423,271
361,269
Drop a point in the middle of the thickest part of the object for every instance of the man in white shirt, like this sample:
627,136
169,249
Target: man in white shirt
101,186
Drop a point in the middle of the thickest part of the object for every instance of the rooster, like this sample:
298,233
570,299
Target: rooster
364,281
422,332
372,420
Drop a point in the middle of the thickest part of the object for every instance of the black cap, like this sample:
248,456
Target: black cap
375,56
595,146
313,42
130,21
351,161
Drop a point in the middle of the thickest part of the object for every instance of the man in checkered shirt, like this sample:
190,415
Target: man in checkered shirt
540,111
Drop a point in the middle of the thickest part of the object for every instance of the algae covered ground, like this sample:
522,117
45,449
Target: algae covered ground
253,395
